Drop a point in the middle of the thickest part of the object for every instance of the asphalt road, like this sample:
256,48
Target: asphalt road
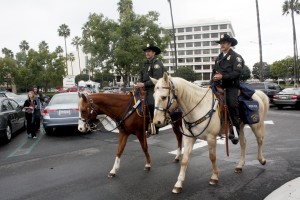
70,165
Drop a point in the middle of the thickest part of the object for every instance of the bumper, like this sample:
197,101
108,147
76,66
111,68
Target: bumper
286,102
52,123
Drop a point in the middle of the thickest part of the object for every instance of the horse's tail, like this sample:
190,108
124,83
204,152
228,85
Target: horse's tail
265,100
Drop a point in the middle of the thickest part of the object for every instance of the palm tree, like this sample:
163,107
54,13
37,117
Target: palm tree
71,58
77,42
64,31
43,46
293,6
59,50
24,46
7,53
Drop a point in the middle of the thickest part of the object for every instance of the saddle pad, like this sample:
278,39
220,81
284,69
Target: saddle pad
137,96
249,111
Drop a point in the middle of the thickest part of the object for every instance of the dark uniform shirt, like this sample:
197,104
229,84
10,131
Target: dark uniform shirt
155,69
231,67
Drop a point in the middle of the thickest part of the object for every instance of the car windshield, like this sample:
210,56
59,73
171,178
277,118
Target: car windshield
64,99
258,85
290,91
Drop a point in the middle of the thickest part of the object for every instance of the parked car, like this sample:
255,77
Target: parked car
270,89
12,118
62,111
287,97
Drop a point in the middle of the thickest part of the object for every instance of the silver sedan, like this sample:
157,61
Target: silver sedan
62,111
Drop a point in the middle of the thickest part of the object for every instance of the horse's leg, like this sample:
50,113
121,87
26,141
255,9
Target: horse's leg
140,136
122,143
177,131
188,145
239,167
259,131
212,143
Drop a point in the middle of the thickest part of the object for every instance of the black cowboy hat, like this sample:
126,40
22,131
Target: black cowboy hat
153,48
227,38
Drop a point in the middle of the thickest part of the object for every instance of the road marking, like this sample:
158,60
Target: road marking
24,149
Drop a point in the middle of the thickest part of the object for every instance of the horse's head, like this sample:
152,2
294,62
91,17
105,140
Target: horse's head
87,113
165,100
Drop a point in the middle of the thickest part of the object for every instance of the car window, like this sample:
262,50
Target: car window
6,105
271,87
13,104
64,99
259,86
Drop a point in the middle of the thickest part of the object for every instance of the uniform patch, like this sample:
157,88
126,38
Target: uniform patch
239,59
156,66
228,58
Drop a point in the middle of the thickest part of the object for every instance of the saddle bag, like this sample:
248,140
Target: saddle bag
249,111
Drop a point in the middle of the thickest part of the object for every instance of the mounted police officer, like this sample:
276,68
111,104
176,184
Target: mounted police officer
226,72
152,68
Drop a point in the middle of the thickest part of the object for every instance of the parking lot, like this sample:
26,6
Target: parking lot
71,165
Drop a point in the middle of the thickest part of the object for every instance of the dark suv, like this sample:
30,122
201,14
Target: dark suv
270,89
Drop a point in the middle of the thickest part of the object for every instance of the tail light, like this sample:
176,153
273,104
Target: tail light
75,109
49,111
275,97
295,96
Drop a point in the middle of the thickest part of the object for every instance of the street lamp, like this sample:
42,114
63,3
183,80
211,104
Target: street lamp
174,37
259,41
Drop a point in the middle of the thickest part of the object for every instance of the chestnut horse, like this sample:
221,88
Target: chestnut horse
120,108
198,105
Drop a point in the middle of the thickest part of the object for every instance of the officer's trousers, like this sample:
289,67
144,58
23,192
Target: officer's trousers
232,103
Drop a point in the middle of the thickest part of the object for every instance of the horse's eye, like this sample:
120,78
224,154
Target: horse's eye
163,98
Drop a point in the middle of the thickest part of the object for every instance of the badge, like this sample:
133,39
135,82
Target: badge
156,66
228,58
239,59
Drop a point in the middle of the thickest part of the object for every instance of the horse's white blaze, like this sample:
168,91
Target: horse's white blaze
116,166
81,126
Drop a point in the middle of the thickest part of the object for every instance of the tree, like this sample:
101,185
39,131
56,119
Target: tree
282,68
266,71
59,50
43,46
293,6
71,58
186,73
7,53
76,42
7,70
246,74
64,32
24,46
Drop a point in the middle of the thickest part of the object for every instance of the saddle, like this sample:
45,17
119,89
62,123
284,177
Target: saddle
138,96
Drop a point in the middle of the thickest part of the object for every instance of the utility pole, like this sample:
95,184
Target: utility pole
261,67
174,37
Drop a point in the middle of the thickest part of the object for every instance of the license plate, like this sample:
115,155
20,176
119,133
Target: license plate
64,112
284,97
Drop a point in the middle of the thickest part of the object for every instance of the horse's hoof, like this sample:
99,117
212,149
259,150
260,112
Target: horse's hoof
263,162
213,182
238,170
147,168
177,190
176,160
111,175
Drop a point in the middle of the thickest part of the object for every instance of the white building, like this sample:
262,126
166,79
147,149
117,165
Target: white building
196,45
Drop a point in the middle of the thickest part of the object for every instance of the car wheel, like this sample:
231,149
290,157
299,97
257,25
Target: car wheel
8,134
49,131
279,107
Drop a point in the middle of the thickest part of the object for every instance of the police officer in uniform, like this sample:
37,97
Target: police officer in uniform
152,68
226,72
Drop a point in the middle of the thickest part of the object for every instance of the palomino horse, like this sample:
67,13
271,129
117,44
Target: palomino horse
120,108
196,103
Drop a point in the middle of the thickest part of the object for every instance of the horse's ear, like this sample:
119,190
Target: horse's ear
166,77
154,81
83,97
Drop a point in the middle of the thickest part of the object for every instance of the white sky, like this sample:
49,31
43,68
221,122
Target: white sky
38,20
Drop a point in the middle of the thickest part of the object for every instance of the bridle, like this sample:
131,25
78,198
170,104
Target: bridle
88,123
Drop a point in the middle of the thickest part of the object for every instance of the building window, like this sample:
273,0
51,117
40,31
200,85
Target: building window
180,37
198,67
172,68
205,28
166,60
197,59
181,45
189,37
189,44
214,44
205,36
206,76
214,27
197,28
213,59
214,35
197,52
206,51
166,53
188,29
181,60
206,59
215,51
206,67
197,44
180,30
197,36
205,44
189,52
189,60
181,53
223,26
